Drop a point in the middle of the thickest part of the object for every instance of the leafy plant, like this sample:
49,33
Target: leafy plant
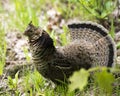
69,9
100,9
102,80
79,80
33,82
13,84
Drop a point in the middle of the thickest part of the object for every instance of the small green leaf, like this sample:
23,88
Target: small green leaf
104,14
104,80
16,77
118,45
110,5
79,80
112,30
10,82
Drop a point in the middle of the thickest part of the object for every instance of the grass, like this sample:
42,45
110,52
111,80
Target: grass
23,12
2,47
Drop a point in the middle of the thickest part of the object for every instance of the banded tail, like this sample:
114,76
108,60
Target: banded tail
103,44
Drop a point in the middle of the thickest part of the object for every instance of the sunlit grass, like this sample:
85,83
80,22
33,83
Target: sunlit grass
24,12
2,47
64,37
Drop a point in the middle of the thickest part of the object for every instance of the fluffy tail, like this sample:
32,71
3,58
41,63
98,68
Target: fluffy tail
103,44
